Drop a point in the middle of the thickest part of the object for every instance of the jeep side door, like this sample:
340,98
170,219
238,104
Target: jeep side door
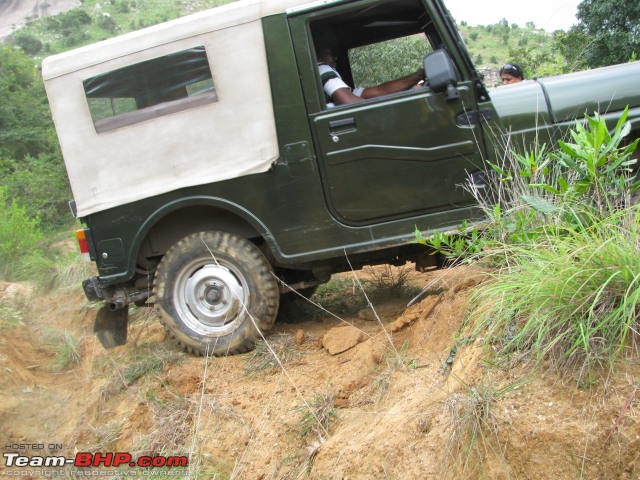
402,155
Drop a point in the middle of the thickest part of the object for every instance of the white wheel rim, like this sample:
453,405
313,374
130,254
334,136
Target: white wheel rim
210,298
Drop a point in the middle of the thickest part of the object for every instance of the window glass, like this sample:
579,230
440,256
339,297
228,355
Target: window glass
380,62
168,84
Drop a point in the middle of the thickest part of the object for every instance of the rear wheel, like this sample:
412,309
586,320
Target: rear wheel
214,292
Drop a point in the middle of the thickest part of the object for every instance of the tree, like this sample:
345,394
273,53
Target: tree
571,46
613,29
31,169
25,122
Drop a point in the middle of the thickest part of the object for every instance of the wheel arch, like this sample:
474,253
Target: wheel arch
175,220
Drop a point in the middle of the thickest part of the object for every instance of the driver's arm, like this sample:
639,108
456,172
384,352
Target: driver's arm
342,96
393,86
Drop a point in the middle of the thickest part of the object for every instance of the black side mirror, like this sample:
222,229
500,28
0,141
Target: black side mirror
441,74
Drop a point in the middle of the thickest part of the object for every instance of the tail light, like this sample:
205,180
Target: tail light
81,235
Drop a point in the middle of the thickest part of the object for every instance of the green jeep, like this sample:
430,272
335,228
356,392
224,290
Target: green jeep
213,177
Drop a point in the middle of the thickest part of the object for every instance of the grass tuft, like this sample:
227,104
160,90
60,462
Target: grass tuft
573,299
266,360
66,348
317,415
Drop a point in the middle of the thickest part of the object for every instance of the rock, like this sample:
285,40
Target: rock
341,339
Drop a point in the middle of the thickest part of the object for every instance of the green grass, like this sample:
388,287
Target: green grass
561,243
66,348
573,299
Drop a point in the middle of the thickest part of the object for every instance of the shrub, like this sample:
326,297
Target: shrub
567,288
562,238
40,184
572,298
19,233
28,43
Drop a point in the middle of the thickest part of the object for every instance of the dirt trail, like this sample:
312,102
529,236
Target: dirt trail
406,410
15,13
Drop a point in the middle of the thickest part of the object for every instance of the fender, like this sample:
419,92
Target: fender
235,209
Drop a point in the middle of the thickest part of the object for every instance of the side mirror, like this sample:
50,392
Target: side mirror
441,74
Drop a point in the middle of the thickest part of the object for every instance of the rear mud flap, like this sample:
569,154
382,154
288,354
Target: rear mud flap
111,326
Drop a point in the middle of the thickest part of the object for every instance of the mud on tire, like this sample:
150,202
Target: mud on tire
212,289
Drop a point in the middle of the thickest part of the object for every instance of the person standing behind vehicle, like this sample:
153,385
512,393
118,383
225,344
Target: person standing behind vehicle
511,73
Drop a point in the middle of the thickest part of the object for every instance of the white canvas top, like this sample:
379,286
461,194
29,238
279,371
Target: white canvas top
226,139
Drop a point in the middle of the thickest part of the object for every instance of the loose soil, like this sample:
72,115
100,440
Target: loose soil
400,402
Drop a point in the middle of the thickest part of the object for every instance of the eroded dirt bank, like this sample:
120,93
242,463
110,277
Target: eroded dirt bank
402,403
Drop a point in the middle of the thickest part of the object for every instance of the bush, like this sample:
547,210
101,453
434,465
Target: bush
566,242
72,20
25,123
28,43
19,234
562,241
573,298
106,22
40,185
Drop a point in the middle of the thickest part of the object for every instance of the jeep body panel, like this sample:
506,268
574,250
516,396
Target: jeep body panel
532,105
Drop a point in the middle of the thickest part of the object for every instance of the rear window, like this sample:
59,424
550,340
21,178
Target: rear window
150,89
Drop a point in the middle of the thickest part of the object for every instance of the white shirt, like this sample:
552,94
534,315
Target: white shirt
332,81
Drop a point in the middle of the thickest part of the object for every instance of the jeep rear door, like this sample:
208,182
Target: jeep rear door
401,155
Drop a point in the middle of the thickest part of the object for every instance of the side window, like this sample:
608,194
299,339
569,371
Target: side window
380,62
150,89
371,49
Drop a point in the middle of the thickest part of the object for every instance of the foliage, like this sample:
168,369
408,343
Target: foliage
25,123
41,185
465,243
490,46
384,61
572,47
28,43
502,43
562,238
96,20
19,233
31,168
613,29
595,170
572,298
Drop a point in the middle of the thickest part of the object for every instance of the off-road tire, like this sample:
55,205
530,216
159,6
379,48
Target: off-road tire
212,290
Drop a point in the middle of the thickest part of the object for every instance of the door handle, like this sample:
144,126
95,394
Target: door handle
341,123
